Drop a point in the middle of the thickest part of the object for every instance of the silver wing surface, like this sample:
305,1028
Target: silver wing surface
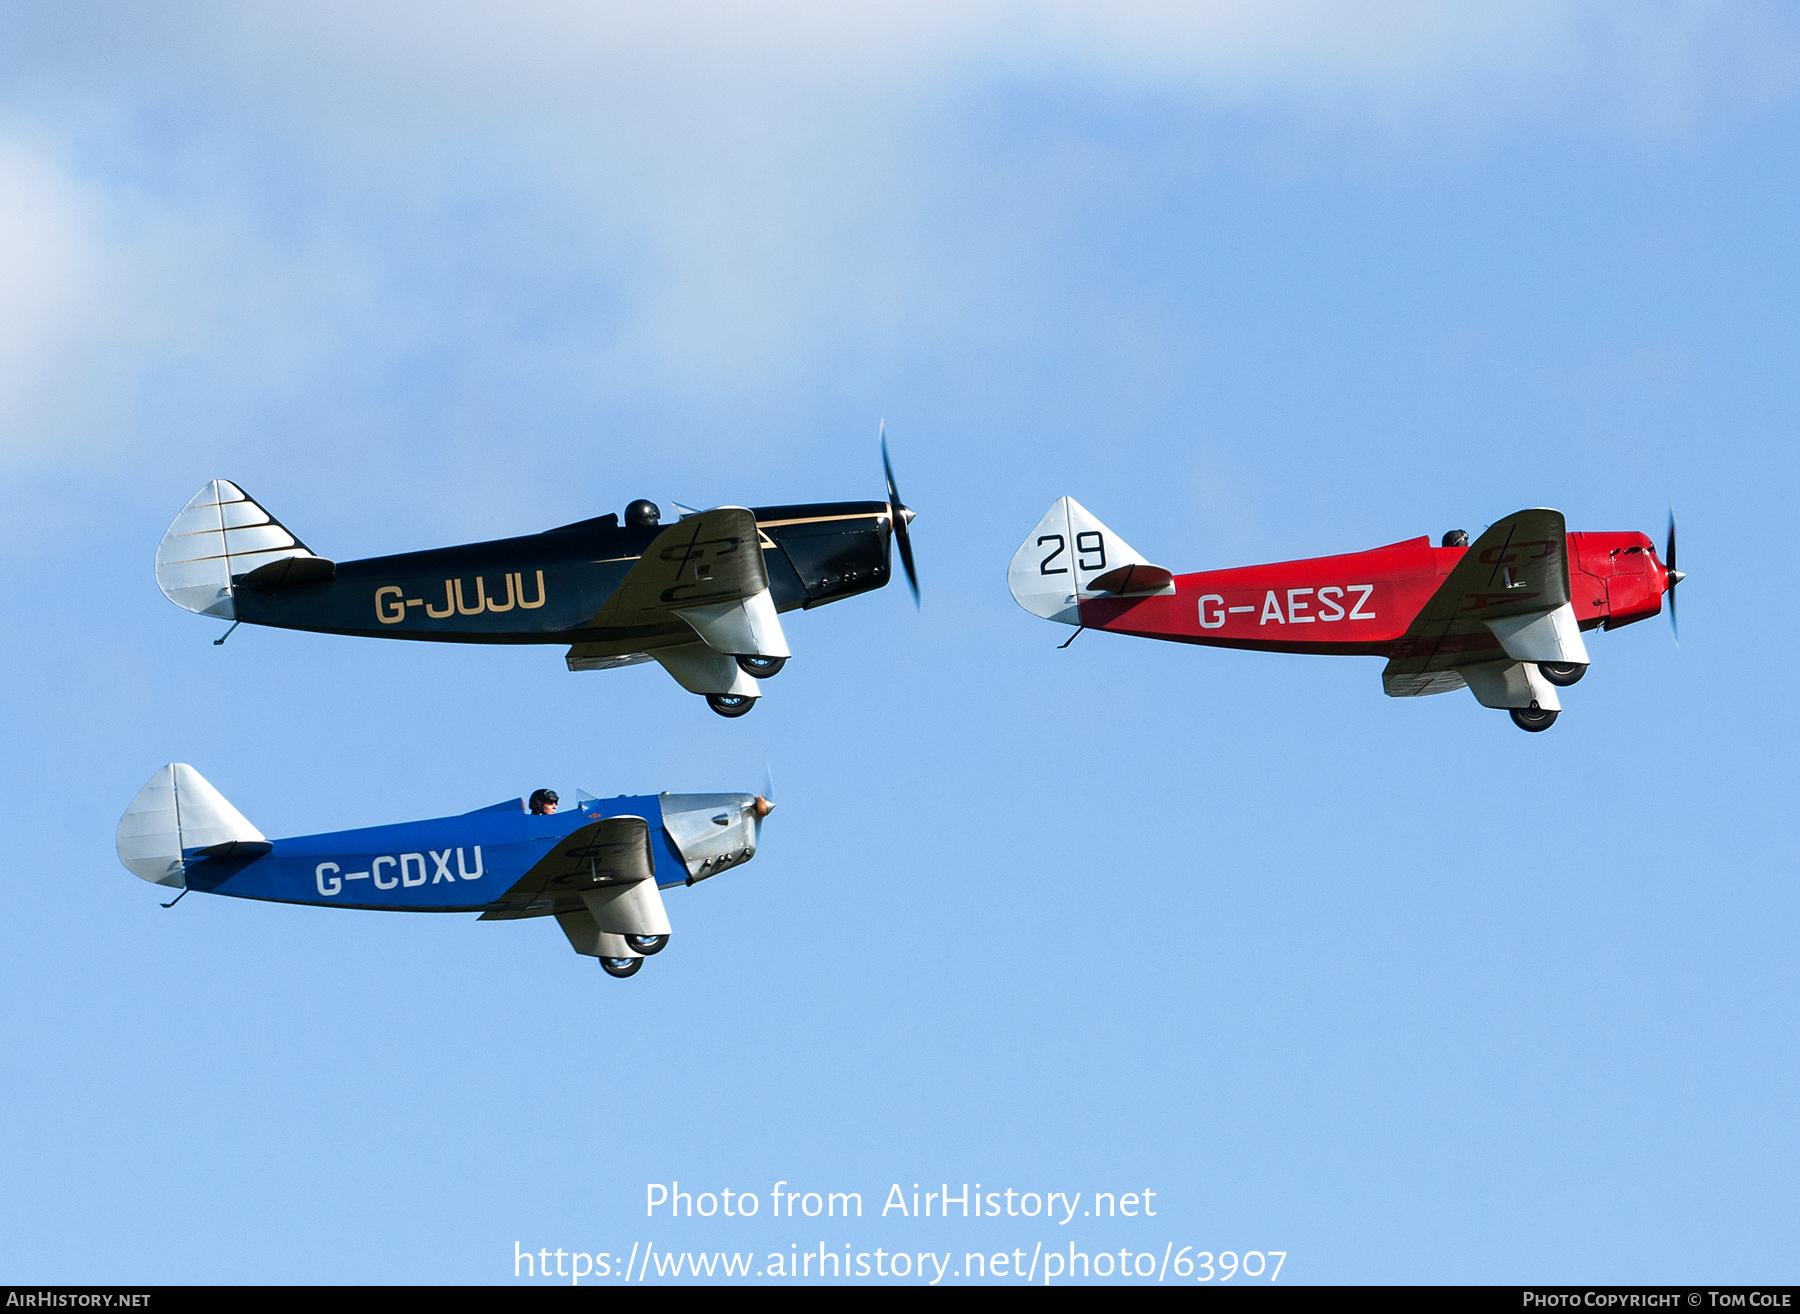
1496,605
695,601
602,854
712,558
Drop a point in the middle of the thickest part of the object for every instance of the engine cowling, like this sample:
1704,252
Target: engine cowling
711,832
1625,580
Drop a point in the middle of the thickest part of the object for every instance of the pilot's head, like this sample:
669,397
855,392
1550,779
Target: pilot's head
643,514
543,802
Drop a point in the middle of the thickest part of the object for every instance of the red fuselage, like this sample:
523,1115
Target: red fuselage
1361,603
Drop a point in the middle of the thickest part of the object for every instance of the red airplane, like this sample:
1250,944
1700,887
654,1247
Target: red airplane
1502,617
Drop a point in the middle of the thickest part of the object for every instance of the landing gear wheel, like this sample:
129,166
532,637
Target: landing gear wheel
761,668
1533,718
730,704
621,967
1562,674
648,944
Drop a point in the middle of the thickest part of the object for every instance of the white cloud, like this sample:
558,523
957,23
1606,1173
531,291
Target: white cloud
679,69
51,276
676,62
291,194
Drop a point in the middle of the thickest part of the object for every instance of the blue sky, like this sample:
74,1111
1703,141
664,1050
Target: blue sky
1387,985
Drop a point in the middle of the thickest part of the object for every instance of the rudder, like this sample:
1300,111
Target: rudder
1067,552
176,811
220,534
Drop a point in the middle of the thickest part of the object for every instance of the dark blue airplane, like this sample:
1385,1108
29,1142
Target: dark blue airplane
702,596
598,868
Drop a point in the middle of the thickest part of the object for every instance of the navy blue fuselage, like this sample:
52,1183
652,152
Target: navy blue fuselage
546,588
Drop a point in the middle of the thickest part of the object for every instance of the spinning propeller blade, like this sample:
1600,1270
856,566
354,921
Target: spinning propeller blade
902,516
1675,577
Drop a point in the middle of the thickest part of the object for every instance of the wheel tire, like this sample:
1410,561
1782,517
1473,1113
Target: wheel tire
1534,718
761,668
730,704
621,967
648,944
1562,674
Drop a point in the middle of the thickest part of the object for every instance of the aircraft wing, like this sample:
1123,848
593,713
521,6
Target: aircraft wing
695,601
1517,571
611,852
703,561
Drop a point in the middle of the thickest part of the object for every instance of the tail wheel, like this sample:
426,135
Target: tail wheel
1562,674
648,944
1533,718
621,967
730,704
761,668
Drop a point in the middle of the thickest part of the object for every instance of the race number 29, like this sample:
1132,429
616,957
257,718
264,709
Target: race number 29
1088,543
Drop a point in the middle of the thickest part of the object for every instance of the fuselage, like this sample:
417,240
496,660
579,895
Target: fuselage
465,863
546,588
1363,602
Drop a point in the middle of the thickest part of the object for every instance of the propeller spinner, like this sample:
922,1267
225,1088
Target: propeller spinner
764,803
901,515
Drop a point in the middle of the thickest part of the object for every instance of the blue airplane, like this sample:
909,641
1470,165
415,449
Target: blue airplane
598,868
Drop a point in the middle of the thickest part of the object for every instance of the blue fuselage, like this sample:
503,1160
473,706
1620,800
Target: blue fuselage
448,864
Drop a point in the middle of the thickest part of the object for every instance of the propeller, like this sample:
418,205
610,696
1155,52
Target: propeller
901,515
765,801
1675,577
